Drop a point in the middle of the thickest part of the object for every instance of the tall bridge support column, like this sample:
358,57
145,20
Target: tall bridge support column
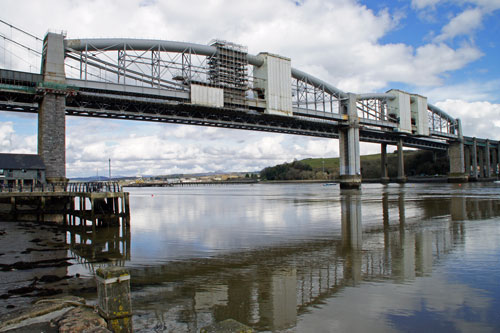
481,163
457,158
51,114
474,174
350,169
384,173
457,163
494,162
467,160
498,160
487,160
401,163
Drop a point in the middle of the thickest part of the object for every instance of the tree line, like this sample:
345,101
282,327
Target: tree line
417,163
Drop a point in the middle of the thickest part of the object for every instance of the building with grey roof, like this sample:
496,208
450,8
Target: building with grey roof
21,169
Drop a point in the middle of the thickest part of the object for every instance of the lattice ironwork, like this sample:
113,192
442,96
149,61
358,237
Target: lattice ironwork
375,109
154,67
305,95
441,123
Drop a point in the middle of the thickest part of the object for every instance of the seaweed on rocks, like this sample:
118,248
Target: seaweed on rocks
22,265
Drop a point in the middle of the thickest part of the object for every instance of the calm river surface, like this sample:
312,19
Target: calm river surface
308,257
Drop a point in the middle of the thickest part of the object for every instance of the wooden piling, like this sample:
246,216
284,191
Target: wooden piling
98,208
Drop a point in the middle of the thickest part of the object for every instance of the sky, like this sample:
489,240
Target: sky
446,50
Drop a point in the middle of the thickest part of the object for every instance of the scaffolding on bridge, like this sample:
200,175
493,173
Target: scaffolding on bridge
228,68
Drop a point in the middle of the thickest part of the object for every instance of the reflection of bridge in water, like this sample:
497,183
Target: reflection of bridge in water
269,288
221,85
95,247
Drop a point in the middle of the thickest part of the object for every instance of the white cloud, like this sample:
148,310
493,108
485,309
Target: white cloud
476,117
169,149
488,5
269,147
6,131
467,91
464,23
449,60
13,143
420,4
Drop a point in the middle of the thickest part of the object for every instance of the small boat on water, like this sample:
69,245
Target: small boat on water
329,184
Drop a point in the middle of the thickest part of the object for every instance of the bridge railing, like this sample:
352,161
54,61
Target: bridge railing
85,187
92,187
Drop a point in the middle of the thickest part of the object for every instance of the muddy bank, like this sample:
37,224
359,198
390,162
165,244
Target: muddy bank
36,263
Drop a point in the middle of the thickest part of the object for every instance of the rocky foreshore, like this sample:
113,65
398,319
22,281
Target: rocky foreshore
66,314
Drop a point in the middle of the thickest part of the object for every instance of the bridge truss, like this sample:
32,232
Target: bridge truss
151,80
174,66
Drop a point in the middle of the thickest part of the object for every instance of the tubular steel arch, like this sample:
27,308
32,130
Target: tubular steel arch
441,123
173,65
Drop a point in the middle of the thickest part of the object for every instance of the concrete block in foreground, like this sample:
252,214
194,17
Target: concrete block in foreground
113,293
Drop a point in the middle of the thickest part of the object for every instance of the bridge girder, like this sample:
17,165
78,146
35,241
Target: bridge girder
182,113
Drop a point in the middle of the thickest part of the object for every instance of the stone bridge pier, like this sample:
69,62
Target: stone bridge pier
457,163
51,114
456,154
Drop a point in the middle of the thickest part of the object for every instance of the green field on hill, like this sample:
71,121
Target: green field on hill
417,163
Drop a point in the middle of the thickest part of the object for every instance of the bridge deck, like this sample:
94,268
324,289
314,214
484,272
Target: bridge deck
18,93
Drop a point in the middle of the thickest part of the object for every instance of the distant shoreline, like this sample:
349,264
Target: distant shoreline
410,180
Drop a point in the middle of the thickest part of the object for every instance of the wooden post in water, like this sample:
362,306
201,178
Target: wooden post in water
113,293
127,206
92,214
42,204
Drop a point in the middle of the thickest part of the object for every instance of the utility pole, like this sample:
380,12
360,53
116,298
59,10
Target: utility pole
109,162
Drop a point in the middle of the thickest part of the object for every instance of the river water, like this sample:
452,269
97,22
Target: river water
306,257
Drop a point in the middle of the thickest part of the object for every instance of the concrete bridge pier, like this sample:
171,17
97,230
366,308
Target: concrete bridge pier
494,162
474,174
401,163
457,158
457,163
497,166
350,168
51,114
384,172
467,155
487,160
481,162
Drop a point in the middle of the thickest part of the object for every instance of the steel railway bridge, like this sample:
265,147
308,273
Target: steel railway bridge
221,85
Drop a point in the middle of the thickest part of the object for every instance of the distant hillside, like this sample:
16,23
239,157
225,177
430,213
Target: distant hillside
417,163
